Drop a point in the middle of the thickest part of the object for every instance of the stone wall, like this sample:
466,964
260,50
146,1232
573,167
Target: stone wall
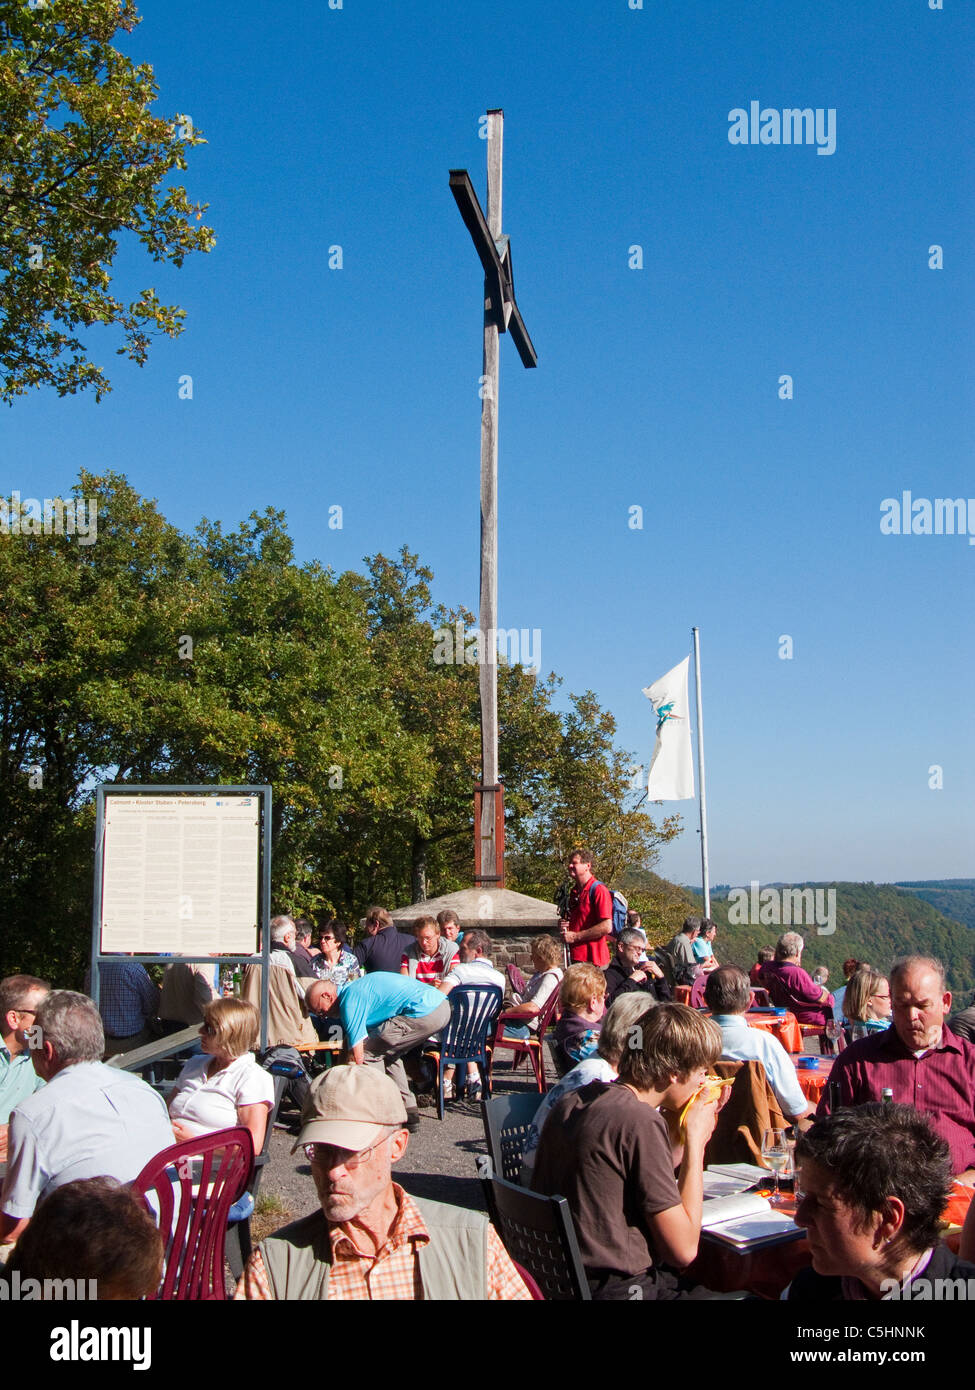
512,947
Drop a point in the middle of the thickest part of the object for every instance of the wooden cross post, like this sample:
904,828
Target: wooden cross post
501,315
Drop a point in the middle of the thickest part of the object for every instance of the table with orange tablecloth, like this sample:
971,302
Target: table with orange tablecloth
785,1027
812,1079
958,1203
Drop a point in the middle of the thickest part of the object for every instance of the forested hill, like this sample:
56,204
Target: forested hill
874,922
955,897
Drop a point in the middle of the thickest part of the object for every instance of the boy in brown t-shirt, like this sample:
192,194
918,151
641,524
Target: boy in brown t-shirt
607,1150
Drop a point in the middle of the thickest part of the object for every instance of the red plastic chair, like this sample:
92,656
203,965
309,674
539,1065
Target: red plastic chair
516,979
817,1030
696,1000
782,1000
193,1186
531,1047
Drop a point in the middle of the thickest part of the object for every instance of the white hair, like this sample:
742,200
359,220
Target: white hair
281,928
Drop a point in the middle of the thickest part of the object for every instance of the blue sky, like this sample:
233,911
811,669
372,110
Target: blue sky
655,387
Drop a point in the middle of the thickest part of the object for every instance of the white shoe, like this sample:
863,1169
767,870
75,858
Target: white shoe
448,1090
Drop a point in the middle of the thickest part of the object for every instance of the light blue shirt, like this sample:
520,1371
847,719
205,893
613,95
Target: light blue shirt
89,1121
838,997
18,1080
378,997
743,1044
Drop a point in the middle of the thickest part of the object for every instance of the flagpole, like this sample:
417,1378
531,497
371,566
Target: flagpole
700,774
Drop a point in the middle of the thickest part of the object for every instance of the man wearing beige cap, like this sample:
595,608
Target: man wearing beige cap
370,1240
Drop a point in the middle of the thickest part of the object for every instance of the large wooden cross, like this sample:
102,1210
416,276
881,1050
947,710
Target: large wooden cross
501,315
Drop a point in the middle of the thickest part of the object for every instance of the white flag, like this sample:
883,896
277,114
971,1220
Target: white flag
672,766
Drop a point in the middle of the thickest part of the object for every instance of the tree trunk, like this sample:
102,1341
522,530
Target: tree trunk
418,869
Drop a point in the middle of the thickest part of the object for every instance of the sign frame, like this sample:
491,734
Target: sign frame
98,957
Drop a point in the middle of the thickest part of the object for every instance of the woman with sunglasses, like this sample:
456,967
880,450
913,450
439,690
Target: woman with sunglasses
866,1003
224,1087
335,962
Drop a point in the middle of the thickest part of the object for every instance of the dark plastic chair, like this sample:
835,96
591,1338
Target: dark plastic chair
665,960
507,1120
539,1235
531,1047
473,1010
193,1187
529,1283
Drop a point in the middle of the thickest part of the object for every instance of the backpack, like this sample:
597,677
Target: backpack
282,1060
621,910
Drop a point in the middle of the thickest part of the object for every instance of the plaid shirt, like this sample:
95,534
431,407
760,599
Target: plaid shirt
395,1272
127,997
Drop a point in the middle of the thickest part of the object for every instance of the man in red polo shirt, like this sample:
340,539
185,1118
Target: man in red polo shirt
590,921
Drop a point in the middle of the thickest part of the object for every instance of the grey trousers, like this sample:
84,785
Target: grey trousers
114,1046
399,1035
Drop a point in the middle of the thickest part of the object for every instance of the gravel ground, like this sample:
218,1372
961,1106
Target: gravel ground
439,1162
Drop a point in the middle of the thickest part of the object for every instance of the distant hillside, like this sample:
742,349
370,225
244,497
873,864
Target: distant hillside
663,904
874,922
955,897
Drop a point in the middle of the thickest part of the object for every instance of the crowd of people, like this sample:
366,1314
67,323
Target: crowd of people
622,1135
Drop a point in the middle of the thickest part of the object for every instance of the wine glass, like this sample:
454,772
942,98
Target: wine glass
834,1031
778,1155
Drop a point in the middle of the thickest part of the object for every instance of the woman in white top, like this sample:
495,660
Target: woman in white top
225,1086
545,952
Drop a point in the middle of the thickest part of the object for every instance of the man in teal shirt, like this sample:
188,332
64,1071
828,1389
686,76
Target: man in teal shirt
20,998
384,1017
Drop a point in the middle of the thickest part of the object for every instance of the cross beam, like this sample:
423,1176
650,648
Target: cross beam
497,267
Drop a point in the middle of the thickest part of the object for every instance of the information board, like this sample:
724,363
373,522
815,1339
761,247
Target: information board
181,874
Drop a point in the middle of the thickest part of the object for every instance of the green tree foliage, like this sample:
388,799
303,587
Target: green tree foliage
565,782
152,656
662,905
955,897
586,800
82,160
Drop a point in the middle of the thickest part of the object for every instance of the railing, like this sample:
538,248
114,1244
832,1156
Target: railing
141,1058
